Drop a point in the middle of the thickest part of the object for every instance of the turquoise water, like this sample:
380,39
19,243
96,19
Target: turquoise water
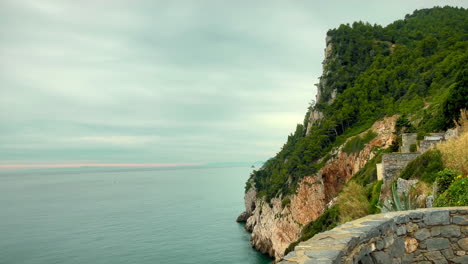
140,216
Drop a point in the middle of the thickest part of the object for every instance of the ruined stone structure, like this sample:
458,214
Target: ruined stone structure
408,139
426,236
393,163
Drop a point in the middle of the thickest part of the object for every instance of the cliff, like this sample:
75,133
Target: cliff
376,82
276,225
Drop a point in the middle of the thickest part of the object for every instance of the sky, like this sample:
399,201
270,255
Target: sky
164,82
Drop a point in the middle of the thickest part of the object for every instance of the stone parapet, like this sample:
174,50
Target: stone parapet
433,235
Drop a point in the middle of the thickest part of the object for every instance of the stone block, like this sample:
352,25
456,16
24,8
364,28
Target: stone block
434,255
446,231
436,218
463,243
324,254
401,230
366,260
412,227
422,234
398,248
448,253
380,244
411,244
407,259
460,219
437,244
460,260
381,257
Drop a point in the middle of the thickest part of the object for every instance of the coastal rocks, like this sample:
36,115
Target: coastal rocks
249,200
275,225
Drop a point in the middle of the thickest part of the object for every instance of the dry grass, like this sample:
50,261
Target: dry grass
419,193
352,202
455,151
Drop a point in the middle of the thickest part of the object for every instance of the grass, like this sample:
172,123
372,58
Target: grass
352,202
455,151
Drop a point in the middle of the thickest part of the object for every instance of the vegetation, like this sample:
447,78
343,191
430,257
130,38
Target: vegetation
455,152
327,221
399,202
444,180
456,194
357,143
424,167
353,202
415,67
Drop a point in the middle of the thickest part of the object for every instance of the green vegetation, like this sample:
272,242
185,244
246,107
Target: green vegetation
444,180
357,143
327,221
353,202
424,167
415,67
456,194
373,196
398,203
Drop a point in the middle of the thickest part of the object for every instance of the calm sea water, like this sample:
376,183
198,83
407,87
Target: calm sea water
140,216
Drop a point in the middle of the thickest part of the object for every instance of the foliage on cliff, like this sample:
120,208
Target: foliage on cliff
414,66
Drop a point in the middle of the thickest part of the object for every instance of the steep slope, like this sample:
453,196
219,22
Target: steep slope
370,73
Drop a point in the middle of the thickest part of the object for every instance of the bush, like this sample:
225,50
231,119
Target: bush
352,202
285,202
444,179
424,167
456,194
357,143
413,148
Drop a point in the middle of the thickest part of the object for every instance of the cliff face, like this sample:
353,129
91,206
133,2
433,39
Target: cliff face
275,226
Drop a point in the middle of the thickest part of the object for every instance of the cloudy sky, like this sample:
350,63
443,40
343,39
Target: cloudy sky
127,81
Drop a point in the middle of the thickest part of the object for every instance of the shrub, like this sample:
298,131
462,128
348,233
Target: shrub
352,202
285,202
424,167
456,194
397,203
413,148
444,179
357,143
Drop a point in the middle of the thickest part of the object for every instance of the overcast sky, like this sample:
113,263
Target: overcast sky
164,81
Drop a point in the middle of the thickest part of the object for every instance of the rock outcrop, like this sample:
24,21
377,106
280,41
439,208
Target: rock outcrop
276,224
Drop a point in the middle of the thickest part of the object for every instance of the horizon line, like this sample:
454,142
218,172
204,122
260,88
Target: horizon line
106,165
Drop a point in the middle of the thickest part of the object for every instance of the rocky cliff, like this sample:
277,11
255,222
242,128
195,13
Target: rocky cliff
275,225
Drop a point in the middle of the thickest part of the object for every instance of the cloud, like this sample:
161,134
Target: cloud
163,81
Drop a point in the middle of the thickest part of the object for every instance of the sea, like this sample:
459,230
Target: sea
113,215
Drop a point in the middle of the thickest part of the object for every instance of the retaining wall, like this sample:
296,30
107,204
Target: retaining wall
393,163
424,236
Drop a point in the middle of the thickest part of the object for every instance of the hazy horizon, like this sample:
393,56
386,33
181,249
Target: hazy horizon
151,82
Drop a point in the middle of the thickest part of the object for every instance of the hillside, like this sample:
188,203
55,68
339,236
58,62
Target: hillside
377,82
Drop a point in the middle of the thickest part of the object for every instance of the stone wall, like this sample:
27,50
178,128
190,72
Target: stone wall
425,145
424,236
393,163
408,139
